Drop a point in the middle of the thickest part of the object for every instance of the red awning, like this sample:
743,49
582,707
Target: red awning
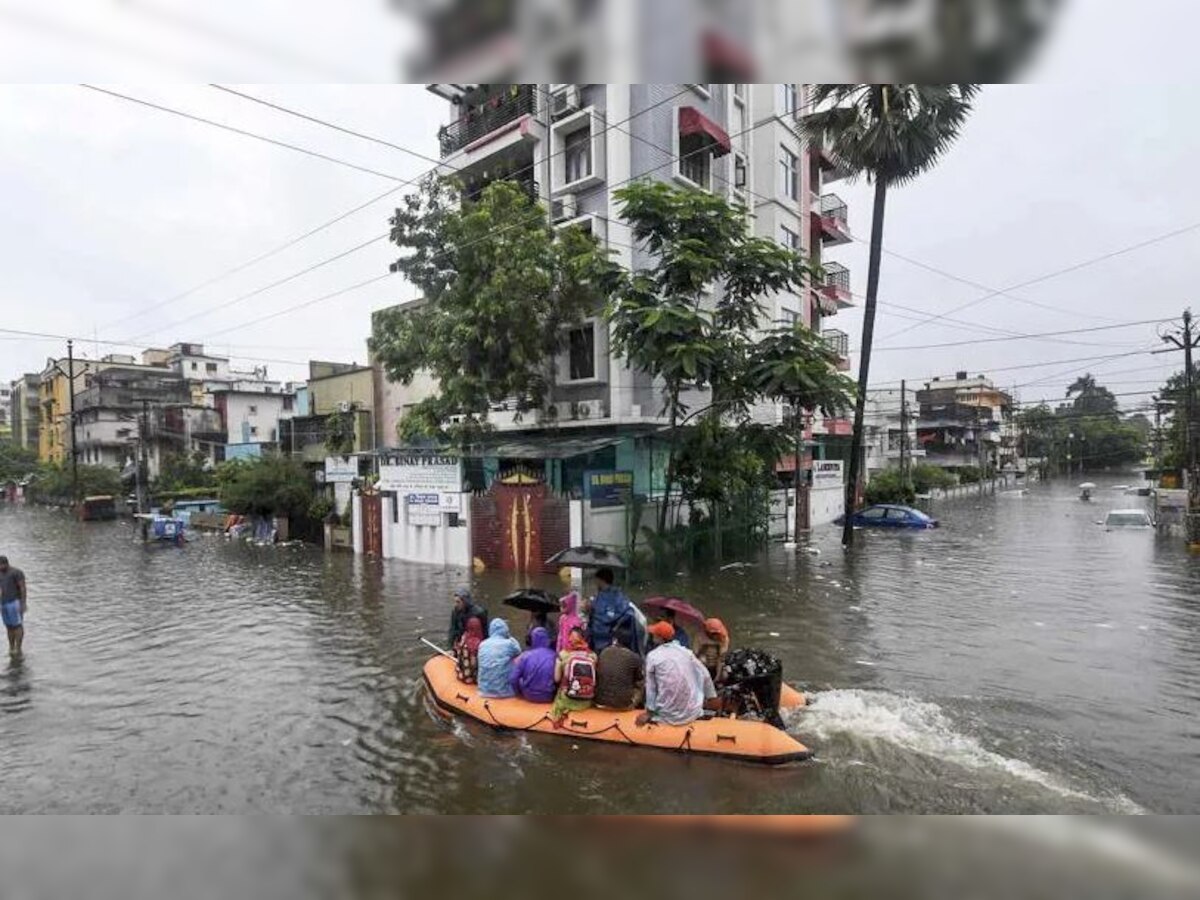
726,55
692,121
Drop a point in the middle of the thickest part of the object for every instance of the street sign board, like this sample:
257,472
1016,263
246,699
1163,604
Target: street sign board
431,483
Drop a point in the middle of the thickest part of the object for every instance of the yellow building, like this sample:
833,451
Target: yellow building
54,408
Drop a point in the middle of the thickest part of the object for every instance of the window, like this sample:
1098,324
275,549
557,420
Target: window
288,404
789,99
577,153
253,410
194,367
739,170
695,160
874,514
897,515
253,431
210,368
789,174
789,239
790,317
581,349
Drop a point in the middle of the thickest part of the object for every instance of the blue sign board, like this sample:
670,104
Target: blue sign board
609,488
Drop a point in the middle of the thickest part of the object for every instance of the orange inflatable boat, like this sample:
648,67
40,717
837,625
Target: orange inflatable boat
744,739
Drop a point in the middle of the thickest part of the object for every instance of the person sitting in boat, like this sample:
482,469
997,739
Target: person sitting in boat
538,618
466,652
620,675
464,608
496,655
575,673
681,635
568,620
678,687
712,646
750,682
533,674
609,607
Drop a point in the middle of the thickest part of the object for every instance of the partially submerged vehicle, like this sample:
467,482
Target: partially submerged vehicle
97,508
160,529
1128,519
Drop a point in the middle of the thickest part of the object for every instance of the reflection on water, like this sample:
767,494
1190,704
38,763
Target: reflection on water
1018,659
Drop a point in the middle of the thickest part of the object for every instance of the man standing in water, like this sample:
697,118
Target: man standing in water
12,604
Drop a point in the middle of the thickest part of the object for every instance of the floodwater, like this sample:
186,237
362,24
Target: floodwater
1019,659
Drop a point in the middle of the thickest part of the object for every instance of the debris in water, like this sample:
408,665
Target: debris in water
773,633
736,565
814,551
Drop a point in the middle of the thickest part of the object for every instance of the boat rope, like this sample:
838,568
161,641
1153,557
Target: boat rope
545,717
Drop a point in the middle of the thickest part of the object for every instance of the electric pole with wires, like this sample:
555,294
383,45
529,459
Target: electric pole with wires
1186,339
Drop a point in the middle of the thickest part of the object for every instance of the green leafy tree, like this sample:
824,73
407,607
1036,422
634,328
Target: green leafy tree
795,366
1091,399
339,433
499,287
54,482
891,133
889,486
665,319
271,485
1174,438
16,461
184,471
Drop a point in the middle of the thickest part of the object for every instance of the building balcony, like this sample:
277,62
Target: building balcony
835,286
831,220
487,113
839,343
839,427
829,169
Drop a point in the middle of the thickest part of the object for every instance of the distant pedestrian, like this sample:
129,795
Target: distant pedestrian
13,604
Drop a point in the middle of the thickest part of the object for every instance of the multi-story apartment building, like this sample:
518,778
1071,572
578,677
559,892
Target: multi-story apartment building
5,412
572,145
965,421
252,411
55,435
24,411
884,428
333,389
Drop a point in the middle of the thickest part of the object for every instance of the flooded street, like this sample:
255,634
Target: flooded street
1019,659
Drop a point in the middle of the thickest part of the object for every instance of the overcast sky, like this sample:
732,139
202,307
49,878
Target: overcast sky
111,208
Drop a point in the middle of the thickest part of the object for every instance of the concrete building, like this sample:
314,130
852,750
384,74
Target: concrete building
55,439
24,412
884,431
966,421
251,411
6,411
333,389
571,145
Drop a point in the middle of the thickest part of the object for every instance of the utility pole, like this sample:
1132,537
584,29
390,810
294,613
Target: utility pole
71,397
1187,341
904,479
143,466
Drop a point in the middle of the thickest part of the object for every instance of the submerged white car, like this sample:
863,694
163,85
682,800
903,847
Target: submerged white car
1127,518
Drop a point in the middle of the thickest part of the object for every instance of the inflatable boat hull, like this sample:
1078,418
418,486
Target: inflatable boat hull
744,739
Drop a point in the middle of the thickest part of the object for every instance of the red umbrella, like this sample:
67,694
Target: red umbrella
679,607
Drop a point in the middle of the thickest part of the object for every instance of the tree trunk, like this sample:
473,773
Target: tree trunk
797,475
864,364
664,507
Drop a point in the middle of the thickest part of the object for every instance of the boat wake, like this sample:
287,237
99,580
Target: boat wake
921,727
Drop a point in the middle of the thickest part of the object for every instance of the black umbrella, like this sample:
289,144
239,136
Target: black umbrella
587,557
533,600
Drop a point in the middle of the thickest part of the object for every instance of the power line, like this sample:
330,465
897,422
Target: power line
490,234
274,284
318,121
1050,275
364,205
1024,336
243,132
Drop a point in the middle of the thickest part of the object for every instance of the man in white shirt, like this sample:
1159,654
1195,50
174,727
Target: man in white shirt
678,687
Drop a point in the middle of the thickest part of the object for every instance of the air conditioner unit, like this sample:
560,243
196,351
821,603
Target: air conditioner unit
456,419
345,406
564,207
564,410
565,101
589,409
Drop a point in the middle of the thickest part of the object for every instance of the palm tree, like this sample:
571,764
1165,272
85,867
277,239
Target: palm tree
890,133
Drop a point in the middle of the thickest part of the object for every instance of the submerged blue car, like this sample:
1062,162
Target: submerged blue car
890,515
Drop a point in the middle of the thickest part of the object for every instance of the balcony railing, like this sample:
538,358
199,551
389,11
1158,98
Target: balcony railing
835,284
482,118
837,341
